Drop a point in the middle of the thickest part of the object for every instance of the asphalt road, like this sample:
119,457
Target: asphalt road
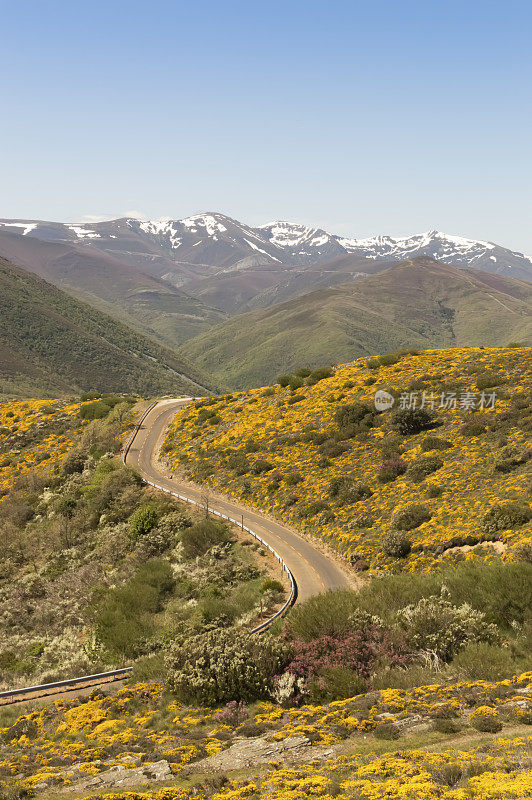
313,571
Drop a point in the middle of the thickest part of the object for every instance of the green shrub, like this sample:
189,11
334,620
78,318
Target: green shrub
434,491
124,616
74,462
501,516
396,544
283,380
473,428
331,448
96,410
327,614
239,463
486,720
410,516
481,661
336,683
306,510
434,624
489,380
348,491
252,446
143,520
353,414
296,383
319,374
203,535
387,731
272,585
435,443
409,421
388,359
447,726
219,666
293,478
419,469
260,466
295,398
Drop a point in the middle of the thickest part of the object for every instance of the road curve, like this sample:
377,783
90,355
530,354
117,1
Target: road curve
313,571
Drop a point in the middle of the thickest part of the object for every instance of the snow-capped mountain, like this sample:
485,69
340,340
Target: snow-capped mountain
211,243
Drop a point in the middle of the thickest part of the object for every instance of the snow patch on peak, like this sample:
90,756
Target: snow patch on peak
157,226
210,222
28,226
83,233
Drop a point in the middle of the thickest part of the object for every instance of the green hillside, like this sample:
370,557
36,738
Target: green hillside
51,344
419,303
142,301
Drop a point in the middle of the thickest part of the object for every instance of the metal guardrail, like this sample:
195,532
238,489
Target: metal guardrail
127,446
43,687
293,586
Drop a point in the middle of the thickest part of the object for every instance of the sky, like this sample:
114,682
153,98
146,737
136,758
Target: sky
363,118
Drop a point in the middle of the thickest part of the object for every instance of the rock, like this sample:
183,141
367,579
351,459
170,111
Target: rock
250,752
159,771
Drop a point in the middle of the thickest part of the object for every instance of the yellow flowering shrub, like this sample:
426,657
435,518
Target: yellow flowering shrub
272,453
35,434
98,731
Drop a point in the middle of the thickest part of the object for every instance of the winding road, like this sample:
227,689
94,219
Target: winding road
313,571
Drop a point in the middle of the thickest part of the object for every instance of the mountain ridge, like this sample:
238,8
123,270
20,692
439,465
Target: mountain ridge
417,303
217,240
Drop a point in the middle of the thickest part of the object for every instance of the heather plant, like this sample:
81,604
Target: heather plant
391,469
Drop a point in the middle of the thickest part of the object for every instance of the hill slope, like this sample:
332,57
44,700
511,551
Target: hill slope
419,303
320,460
108,282
53,344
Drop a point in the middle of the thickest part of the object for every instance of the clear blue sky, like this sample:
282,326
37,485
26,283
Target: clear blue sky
383,116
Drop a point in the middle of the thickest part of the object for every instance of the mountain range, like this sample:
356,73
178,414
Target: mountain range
245,302
183,250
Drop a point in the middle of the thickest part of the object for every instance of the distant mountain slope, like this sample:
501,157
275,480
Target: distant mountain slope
143,301
52,344
419,303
